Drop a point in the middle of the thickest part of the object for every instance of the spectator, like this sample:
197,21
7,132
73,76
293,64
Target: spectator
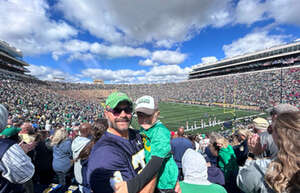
215,175
42,160
195,174
77,145
227,162
241,150
97,130
156,138
13,173
281,108
179,145
62,156
268,147
212,156
286,135
119,154
274,175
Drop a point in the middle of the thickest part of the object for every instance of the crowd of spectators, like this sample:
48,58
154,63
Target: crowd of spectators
260,88
43,120
33,101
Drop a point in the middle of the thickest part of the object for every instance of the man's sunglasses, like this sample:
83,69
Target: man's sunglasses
117,111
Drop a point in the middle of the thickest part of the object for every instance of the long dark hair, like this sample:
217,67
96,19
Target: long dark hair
98,129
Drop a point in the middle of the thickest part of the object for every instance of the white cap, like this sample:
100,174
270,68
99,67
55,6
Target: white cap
146,104
260,123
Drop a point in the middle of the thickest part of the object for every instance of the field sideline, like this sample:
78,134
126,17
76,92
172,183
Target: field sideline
174,115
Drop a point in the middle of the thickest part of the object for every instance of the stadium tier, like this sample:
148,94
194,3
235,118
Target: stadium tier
279,56
11,59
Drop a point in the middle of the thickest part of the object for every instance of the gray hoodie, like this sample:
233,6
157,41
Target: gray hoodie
250,178
78,144
194,168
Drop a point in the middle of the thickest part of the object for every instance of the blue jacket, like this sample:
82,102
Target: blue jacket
62,156
114,159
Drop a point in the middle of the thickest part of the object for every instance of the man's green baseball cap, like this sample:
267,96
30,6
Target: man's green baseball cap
115,98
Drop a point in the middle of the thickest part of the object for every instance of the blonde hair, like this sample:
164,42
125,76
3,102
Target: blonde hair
223,141
281,170
244,132
59,136
217,138
213,137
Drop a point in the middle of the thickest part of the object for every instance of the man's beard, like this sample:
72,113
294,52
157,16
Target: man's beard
114,124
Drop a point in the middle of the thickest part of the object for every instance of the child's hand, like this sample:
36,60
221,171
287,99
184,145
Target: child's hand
177,187
121,187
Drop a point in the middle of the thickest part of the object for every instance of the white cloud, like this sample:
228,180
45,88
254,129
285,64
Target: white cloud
282,11
209,59
118,51
168,70
94,16
168,57
163,73
28,27
249,11
77,48
82,57
47,73
252,42
147,62
160,22
111,75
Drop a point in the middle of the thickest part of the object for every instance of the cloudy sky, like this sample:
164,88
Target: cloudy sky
141,41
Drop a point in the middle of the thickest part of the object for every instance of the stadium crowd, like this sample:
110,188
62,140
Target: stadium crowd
53,141
259,88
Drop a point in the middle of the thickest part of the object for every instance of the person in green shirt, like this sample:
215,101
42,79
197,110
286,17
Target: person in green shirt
194,169
156,138
227,161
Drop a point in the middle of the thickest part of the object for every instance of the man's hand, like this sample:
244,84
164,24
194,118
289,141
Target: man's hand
121,187
255,146
177,187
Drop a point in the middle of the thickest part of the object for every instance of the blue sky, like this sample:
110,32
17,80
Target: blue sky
141,41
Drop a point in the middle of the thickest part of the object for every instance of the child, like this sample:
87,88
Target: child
158,156
156,138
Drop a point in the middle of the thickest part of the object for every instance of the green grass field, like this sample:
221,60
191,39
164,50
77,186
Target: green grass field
174,115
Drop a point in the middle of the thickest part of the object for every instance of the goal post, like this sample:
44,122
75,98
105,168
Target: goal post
230,107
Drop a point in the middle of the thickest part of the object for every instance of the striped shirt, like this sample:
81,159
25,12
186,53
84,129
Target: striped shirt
16,166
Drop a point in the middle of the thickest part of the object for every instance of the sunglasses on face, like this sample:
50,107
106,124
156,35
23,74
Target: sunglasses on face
117,111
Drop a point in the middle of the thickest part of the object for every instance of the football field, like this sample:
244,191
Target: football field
174,115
